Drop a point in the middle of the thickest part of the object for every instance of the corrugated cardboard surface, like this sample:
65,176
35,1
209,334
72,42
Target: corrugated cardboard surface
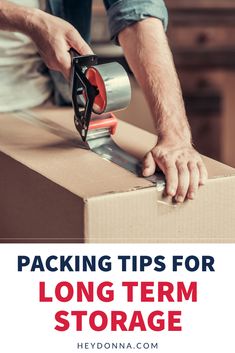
52,190
33,208
141,218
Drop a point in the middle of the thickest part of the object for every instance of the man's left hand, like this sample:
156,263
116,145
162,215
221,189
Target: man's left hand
183,168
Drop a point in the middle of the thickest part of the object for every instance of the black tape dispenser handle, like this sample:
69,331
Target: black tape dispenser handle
81,88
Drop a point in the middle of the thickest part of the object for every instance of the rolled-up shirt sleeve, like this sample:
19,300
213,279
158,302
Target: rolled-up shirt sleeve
123,13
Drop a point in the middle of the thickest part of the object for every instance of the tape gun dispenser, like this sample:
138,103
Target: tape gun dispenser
97,91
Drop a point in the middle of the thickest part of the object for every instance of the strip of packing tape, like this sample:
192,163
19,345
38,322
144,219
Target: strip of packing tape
72,138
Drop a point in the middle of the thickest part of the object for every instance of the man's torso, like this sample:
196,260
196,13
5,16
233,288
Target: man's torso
24,80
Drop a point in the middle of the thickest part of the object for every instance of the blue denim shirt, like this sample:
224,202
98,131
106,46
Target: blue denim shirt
121,14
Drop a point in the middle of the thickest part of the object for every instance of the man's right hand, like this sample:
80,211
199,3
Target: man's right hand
53,38
52,35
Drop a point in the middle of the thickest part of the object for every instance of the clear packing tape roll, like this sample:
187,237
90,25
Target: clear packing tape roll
113,84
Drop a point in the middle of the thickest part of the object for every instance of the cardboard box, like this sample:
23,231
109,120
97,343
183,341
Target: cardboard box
51,190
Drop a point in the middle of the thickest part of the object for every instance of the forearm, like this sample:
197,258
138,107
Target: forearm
15,17
147,52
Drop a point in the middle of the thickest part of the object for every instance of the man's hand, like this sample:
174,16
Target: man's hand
53,38
52,35
183,168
